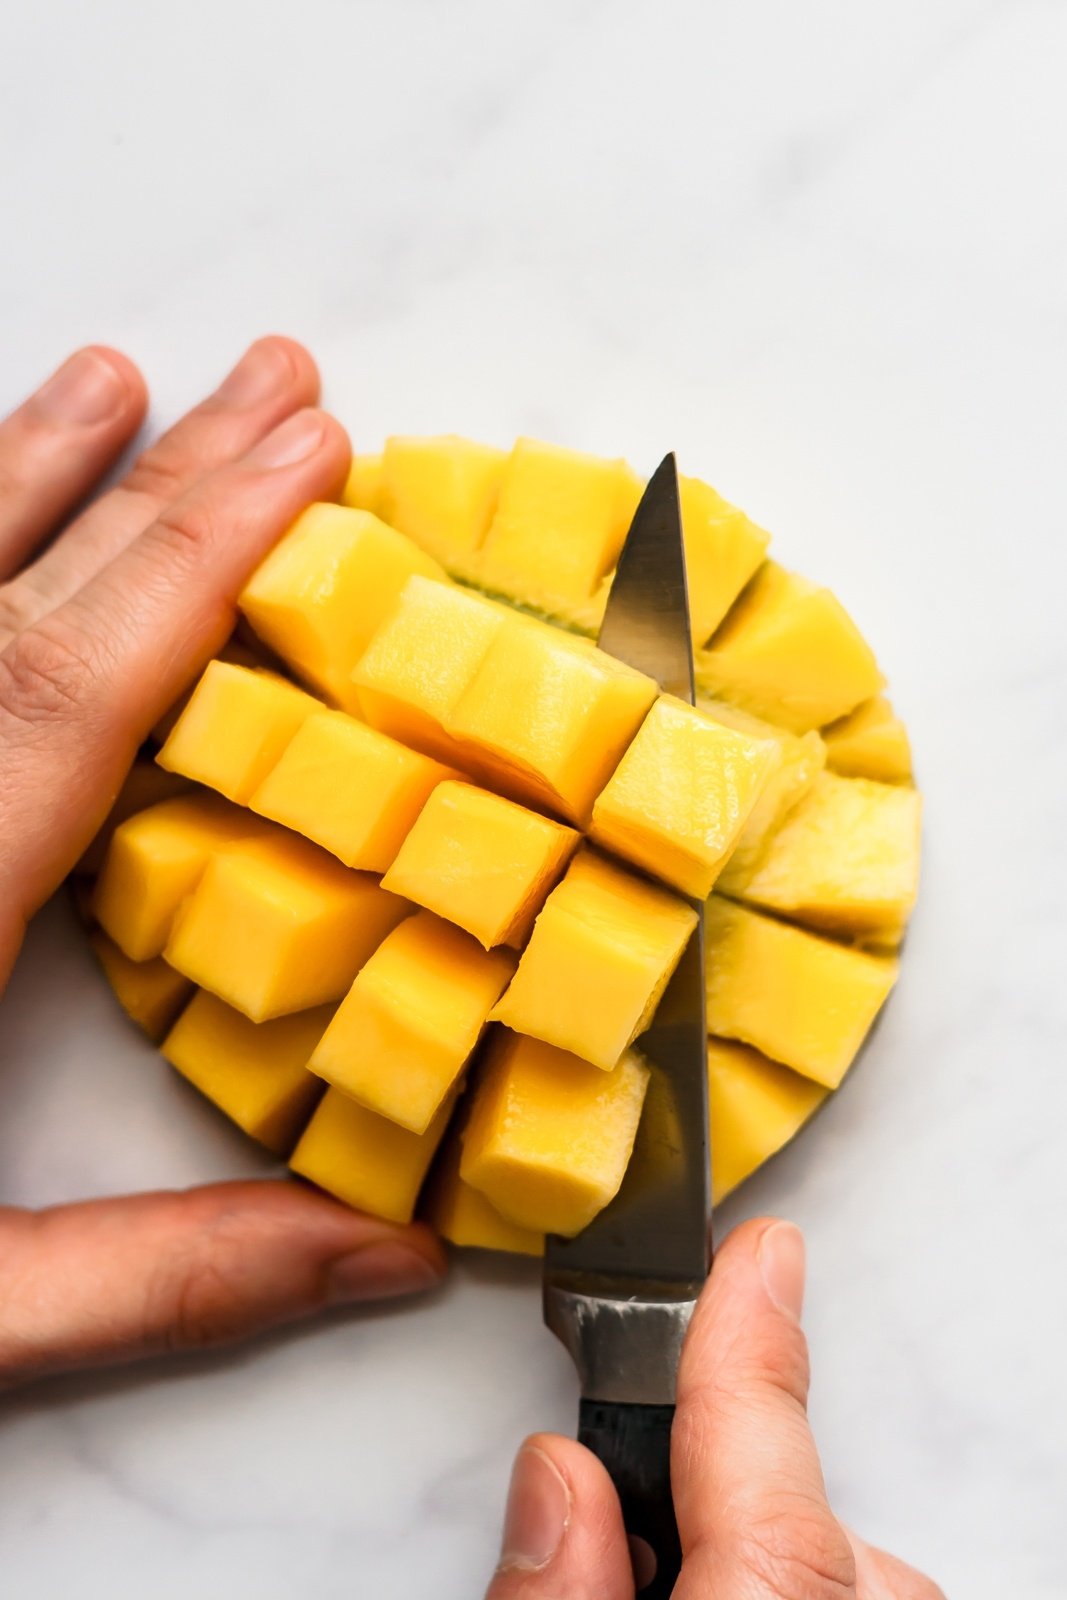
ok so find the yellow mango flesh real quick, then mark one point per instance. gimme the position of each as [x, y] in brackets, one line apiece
[546, 717]
[789, 652]
[150, 992]
[255, 1072]
[755, 1106]
[800, 999]
[155, 859]
[370, 1163]
[442, 492]
[234, 728]
[145, 784]
[321, 593]
[421, 659]
[463, 1215]
[239, 653]
[348, 788]
[871, 742]
[363, 486]
[481, 861]
[560, 523]
[799, 760]
[846, 859]
[549, 1137]
[405, 1030]
[276, 925]
[599, 958]
[722, 551]
[681, 795]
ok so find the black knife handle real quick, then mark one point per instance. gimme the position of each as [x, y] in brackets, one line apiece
[634, 1443]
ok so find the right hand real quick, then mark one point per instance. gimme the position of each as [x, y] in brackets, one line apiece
[748, 1488]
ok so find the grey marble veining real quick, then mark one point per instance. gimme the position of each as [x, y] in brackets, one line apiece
[820, 251]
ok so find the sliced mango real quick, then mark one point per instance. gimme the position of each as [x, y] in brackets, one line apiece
[156, 859]
[871, 742]
[549, 1137]
[234, 728]
[256, 1072]
[482, 862]
[800, 759]
[405, 1030]
[798, 998]
[722, 551]
[321, 593]
[150, 992]
[463, 1215]
[681, 795]
[756, 1106]
[363, 486]
[846, 859]
[423, 656]
[599, 958]
[240, 652]
[349, 788]
[560, 523]
[547, 716]
[789, 652]
[276, 925]
[442, 492]
[145, 784]
[365, 1160]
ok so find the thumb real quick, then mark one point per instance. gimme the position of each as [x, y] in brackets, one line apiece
[112, 1280]
[748, 1488]
[563, 1532]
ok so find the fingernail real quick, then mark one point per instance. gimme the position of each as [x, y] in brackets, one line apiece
[539, 1509]
[380, 1272]
[260, 373]
[781, 1263]
[293, 440]
[87, 389]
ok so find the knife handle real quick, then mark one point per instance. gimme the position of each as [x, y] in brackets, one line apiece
[634, 1443]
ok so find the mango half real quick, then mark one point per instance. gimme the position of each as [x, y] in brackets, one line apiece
[419, 859]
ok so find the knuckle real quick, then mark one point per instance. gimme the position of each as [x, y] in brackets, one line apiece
[159, 475]
[185, 532]
[196, 1301]
[46, 672]
[17, 608]
[798, 1551]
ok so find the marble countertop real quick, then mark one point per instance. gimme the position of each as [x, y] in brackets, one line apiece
[819, 250]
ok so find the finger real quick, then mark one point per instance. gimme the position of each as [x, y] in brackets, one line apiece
[273, 379]
[748, 1487]
[563, 1532]
[882, 1577]
[80, 689]
[114, 1280]
[60, 441]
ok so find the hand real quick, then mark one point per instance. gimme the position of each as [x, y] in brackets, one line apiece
[102, 625]
[748, 1489]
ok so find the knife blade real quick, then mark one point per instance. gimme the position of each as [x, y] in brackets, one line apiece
[620, 1295]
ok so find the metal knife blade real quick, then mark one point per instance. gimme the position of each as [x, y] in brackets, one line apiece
[620, 1295]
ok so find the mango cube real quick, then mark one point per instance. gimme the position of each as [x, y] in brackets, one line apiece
[276, 925]
[156, 859]
[482, 862]
[599, 958]
[871, 742]
[349, 788]
[756, 1106]
[405, 1030]
[549, 1137]
[798, 998]
[547, 716]
[145, 785]
[722, 551]
[560, 522]
[463, 1215]
[150, 992]
[365, 1160]
[239, 653]
[234, 728]
[422, 658]
[789, 652]
[846, 859]
[321, 593]
[255, 1072]
[442, 492]
[800, 758]
[363, 486]
[678, 800]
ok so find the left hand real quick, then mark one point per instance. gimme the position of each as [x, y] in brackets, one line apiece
[103, 623]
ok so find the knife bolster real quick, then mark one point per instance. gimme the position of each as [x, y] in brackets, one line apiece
[624, 1350]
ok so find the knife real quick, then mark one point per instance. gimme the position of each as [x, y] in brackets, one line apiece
[620, 1295]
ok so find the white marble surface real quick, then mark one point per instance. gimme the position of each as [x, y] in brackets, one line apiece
[822, 251]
